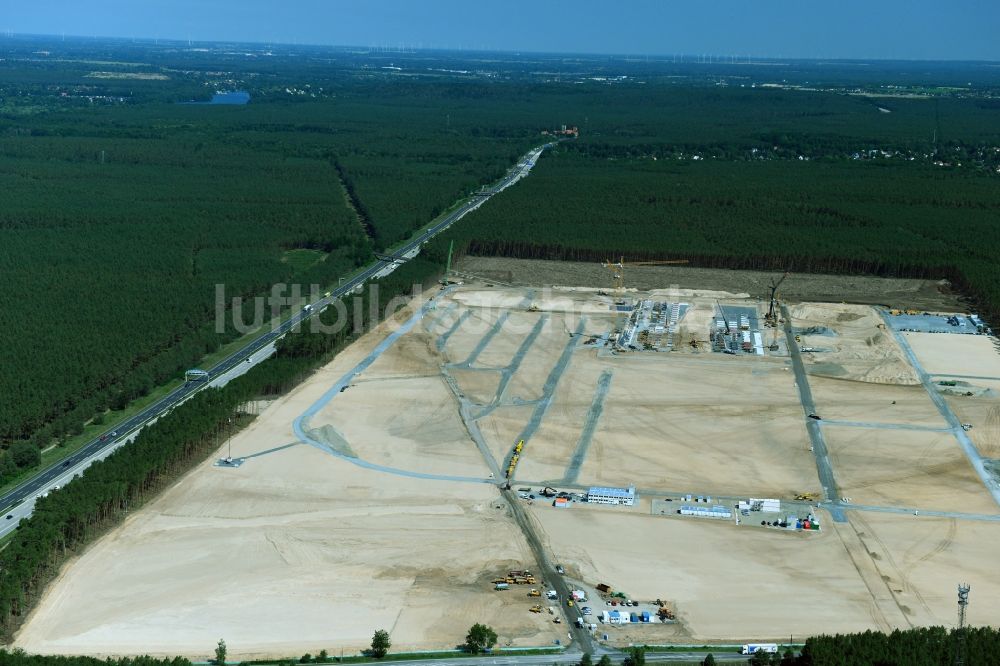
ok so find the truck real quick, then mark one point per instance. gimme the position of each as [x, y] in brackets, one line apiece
[501, 586]
[754, 648]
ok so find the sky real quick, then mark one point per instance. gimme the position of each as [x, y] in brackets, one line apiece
[860, 29]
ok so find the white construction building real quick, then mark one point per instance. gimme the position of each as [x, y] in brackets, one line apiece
[602, 495]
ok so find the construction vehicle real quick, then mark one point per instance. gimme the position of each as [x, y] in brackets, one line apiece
[895, 313]
[549, 492]
[557, 620]
[618, 270]
[807, 497]
[772, 317]
[774, 340]
[535, 609]
[533, 308]
[518, 447]
[534, 593]
[664, 613]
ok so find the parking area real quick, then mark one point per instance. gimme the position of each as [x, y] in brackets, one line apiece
[930, 322]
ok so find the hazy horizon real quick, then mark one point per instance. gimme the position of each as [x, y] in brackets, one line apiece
[917, 30]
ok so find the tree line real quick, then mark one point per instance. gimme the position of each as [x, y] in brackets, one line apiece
[904, 220]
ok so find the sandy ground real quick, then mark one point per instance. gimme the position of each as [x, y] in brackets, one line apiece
[983, 413]
[856, 347]
[941, 353]
[878, 572]
[298, 550]
[294, 551]
[923, 470]
[846, 400]
[726, 582]
[920, 561]
[717, 425]
[934, 295]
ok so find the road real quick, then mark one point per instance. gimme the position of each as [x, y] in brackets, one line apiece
[823, 467]
[20, 500]
[547, 572]
[567, 657]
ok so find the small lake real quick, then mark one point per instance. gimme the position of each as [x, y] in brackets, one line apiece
[237, 98]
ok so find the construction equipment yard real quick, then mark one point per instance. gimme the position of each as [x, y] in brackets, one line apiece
[840, 479]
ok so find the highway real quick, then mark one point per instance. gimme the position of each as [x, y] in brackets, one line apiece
[512, 658]
[19, 501]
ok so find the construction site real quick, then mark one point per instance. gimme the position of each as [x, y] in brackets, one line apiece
[532, 457]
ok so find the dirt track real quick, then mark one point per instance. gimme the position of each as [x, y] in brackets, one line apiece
[896, 292]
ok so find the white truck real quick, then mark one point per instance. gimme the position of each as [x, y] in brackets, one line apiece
[754, 648]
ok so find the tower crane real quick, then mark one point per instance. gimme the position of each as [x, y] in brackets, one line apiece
[771, 317]
[618, 270]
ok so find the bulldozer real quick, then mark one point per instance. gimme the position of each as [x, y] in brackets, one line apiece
[807, 497]
[534, 593]
[533, 308]
[535, 609]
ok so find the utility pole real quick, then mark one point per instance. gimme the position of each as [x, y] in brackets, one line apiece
[963, 601]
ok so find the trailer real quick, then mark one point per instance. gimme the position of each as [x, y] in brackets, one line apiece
[754, 648]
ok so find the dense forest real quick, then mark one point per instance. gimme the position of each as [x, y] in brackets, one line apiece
[838, 216]
[21, 659]
[119, 220]
[123, 208]
[928, 646]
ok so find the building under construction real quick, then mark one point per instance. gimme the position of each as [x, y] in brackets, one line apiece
[736, 330]
[651, 326]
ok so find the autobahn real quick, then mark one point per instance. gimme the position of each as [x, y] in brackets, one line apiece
[19, 501]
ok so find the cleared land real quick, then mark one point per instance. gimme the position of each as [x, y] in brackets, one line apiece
[933, 295]
[301, 549]
[906, 468]
[297, 550]
[956, 354]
